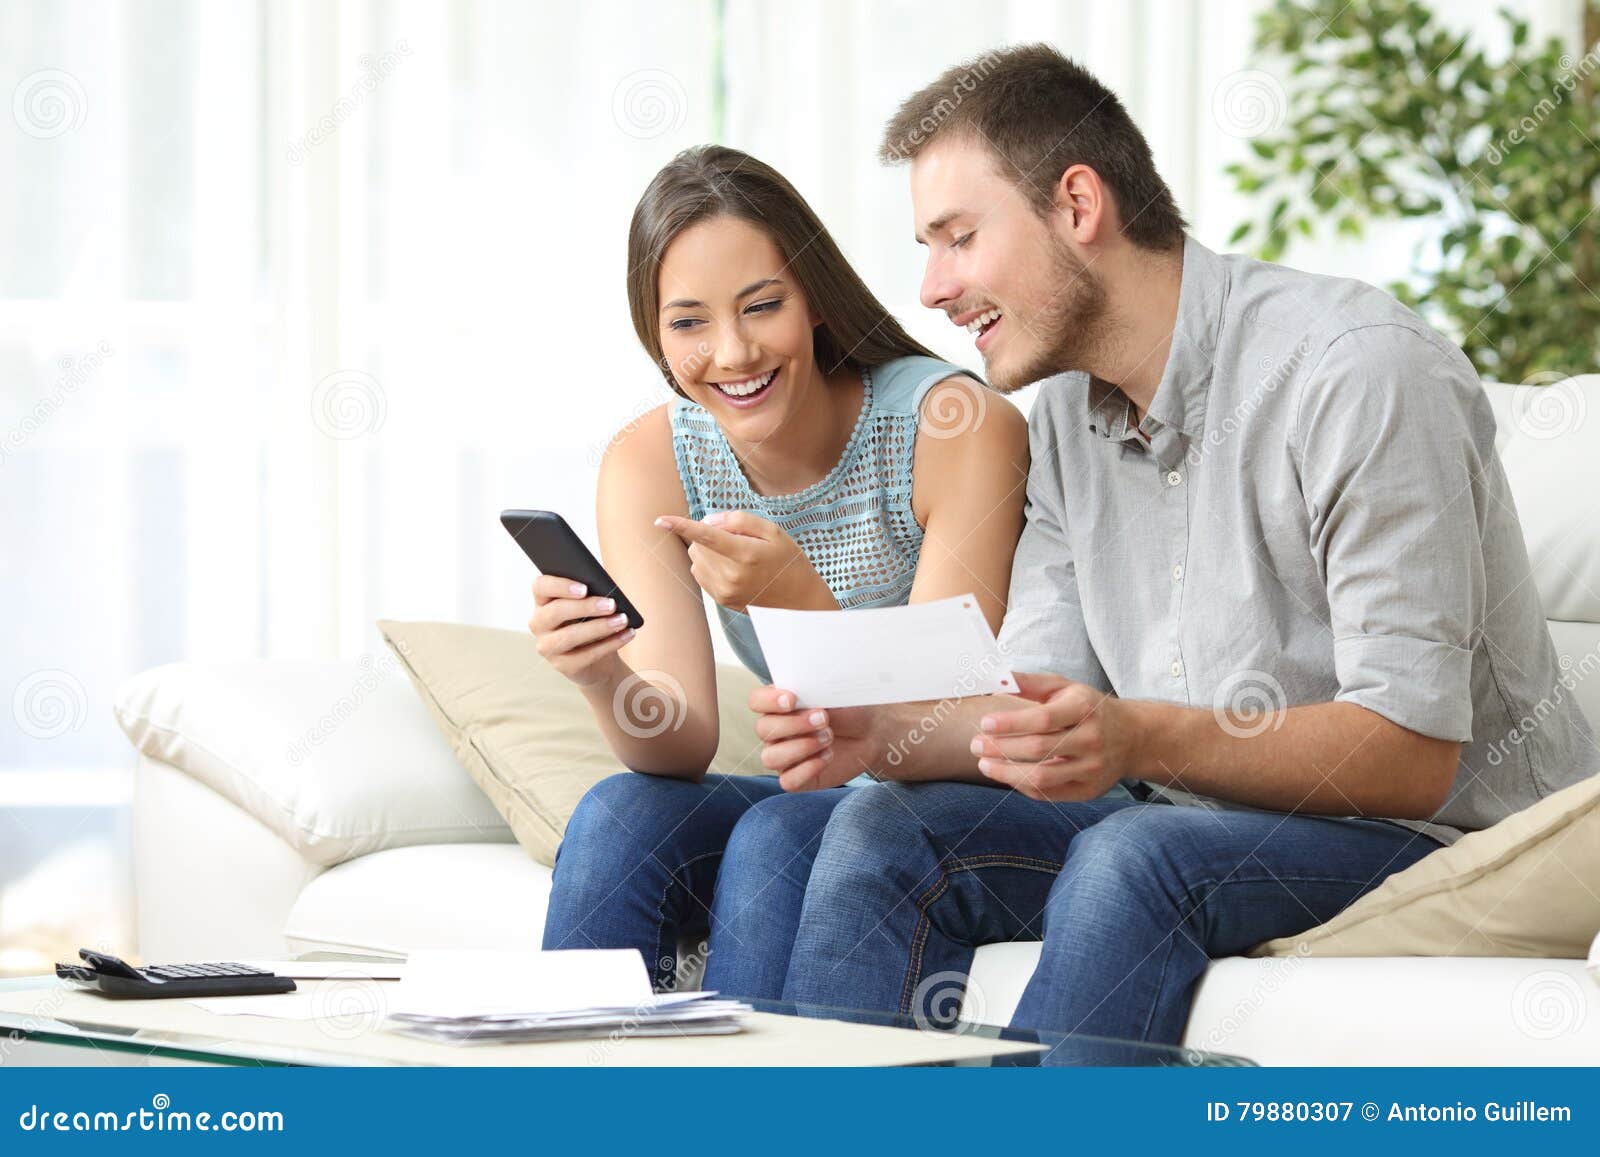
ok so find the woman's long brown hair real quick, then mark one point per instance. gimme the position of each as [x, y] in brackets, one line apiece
[714, 181]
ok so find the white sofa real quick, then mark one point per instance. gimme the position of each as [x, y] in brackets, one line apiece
[295, 830]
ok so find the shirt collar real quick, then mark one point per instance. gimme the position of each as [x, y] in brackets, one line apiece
[1180, 399]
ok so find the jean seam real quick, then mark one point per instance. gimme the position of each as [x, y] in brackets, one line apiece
[661, 909]
[1161, 980]
[947, 868]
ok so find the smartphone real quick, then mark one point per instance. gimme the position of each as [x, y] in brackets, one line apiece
[555, 548]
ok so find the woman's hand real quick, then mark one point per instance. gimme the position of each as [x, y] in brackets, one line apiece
[585, 652]
[739, 558]
[812, 749]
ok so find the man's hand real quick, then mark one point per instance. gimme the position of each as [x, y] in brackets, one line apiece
[1073, 743]
[813, 748]
[739, 558]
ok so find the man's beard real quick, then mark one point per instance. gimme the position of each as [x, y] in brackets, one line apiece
[1068, 326]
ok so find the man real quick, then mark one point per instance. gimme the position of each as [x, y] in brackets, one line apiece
[1272, 580]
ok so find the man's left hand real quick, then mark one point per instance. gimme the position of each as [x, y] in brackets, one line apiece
[1072, 742]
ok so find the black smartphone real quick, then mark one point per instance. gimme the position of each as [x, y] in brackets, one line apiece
[555, 548]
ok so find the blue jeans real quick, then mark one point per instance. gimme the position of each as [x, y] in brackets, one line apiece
[648, 860]
[1131, 899]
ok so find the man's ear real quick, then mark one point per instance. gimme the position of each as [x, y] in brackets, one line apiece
[1083, 207]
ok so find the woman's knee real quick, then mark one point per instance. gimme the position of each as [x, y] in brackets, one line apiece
[870, 835]
[780, 827]
[627, 809]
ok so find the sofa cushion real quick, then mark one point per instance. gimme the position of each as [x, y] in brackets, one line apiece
[1545, 435]
[1525, 887]
[1398, 1011]
[525, 733]
[441, 896]
[337, 758]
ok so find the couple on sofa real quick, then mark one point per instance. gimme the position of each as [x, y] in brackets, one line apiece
[1253, 560]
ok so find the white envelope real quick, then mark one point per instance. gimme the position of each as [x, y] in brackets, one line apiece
[938, 650]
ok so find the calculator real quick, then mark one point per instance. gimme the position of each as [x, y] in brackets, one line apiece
[102, 972]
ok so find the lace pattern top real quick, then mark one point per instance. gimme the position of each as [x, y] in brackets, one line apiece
[855, 525]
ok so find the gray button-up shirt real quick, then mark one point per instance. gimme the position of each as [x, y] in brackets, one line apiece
[1318, 514]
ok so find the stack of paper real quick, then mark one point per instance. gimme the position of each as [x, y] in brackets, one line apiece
[477, 996]
[674, 1014]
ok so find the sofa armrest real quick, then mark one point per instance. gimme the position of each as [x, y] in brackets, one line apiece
[337, 758]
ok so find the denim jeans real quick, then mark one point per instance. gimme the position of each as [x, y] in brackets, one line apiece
[648, 860]
[1130, 898]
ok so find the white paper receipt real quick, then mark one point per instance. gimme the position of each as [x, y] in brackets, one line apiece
[938, 650]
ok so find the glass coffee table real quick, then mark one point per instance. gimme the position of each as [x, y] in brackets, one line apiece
[44, 1021]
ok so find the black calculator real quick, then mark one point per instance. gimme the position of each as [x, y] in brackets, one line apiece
[105, 973]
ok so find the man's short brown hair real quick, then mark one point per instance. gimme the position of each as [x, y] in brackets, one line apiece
[1040, 113]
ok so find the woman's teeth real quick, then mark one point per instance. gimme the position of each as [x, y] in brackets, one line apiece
[747, 387]
[978, 324]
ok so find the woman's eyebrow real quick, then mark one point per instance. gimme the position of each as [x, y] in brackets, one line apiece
[753, 286]
[690, 303]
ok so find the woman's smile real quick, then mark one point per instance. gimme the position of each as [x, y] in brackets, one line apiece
[744, 393]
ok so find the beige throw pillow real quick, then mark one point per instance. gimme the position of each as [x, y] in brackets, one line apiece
[526, 735]
[1529, 886]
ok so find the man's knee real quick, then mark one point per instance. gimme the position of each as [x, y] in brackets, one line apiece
[1133, 851]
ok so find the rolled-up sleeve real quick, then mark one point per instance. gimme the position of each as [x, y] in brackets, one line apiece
[1392, 481]
[1044, 628]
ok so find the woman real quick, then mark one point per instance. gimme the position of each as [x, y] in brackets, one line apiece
[803, 465]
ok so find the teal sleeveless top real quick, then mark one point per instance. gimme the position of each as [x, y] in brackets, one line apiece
[855, 525]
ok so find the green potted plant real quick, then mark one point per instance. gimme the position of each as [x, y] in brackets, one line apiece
[1387, 114]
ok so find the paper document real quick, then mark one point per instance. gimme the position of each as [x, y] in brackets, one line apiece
[331, 969]
[312, 1000]
[466, 997]
[676, 1014]
[938, 650]
[465, 982]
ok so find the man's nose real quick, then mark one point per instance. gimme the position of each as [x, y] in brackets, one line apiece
[938, 287]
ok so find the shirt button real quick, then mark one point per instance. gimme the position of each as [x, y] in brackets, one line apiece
[1177, 669]
[1173, 478]
[1177, 573]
